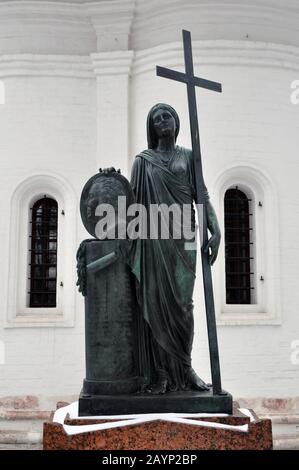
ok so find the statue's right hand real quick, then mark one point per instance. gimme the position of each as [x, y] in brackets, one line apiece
[106, 171]
[124, 247]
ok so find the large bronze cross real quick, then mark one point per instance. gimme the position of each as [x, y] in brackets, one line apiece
[191, 81]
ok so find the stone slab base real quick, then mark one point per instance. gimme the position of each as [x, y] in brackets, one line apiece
[171, 402]
[163, 435]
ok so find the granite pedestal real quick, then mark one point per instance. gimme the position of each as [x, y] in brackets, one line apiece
[163, 435]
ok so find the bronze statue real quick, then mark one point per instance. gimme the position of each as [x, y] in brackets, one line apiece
[154, 274]
[164, 269]
[138, 291]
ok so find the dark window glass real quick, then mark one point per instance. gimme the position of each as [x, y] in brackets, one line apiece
[238, 247]
[43, 253]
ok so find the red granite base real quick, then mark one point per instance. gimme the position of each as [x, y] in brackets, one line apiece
[163, 435]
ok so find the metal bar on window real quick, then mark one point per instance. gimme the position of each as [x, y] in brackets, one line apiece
[44, 222]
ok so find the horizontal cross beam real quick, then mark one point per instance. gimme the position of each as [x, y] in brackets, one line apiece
[182, 77]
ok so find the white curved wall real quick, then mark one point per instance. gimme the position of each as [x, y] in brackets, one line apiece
[159, 22]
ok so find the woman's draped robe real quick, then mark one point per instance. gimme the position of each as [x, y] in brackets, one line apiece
[164, 270]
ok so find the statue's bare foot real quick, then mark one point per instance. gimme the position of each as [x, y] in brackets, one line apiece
[159, 388]
[196, 382]
[143, 388]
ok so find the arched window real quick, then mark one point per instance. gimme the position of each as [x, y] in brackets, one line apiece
[246, 276]
[43, 214]
[43, 253]
[238, 247]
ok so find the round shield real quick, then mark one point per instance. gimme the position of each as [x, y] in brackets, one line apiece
[105, 195]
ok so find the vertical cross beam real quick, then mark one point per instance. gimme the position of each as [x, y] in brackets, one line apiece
[191, 81]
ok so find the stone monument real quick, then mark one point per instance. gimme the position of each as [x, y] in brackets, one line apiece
[148, 282]
[110, 301]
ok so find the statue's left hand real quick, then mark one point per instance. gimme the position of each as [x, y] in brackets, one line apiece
[213, 243]
[212, 247]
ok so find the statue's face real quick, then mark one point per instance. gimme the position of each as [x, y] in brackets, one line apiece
[92, 202]
[164, 123]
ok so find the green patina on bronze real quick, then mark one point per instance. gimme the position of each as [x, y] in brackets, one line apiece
[138, 292]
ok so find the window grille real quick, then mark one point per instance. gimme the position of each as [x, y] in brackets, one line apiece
[43, 253]
[238, 247]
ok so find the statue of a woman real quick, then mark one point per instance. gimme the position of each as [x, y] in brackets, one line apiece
[164, 269]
